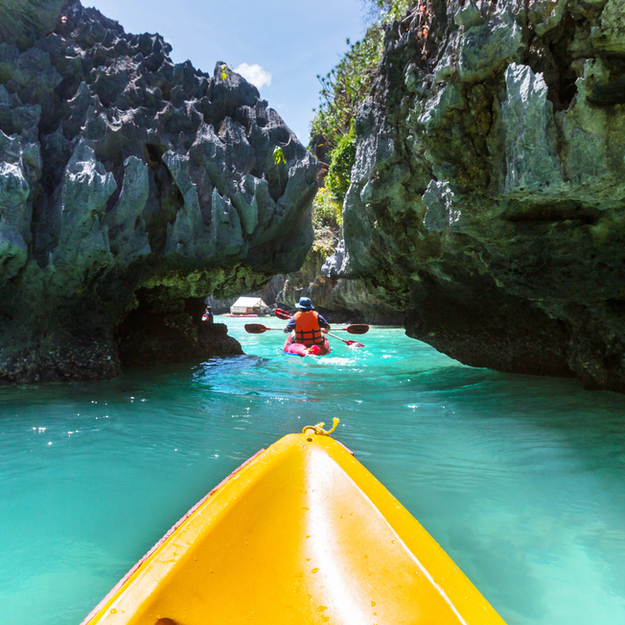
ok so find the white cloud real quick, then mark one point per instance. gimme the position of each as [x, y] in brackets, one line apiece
[254, 74]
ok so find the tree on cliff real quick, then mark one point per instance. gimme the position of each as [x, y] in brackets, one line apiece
[333, 135]
[344, 89]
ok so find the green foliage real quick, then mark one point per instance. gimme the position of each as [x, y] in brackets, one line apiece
[278, 155]
[326, 211]
[339, 173]
[394, 9]
[342, 92]
[345, 87]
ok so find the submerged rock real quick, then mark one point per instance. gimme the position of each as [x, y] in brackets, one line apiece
[488, 193]
[130, 184]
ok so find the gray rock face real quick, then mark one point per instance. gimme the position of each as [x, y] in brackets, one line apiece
[337, 265]
[488, 193]
[129, 183]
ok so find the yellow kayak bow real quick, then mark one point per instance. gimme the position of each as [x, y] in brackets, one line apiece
[301, 533]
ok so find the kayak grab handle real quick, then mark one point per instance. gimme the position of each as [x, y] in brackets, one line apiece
[318, 429]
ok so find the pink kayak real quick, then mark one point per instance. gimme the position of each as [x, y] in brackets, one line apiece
[291, 347]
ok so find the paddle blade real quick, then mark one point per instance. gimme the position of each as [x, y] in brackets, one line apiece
[354, 344]
[281, 314]
[358, 328]
[348, 343]
[355, 328]
[256, 328]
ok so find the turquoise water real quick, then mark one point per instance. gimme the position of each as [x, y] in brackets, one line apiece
[520, 479]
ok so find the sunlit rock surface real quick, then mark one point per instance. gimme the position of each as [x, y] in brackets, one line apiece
[488, 193]
[130, 189]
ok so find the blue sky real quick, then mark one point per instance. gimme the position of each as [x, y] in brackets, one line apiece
[290, 40]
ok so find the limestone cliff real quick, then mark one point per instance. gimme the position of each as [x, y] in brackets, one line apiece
[130, 188]
[488, 193]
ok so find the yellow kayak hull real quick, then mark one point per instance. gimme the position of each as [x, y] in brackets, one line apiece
[302, 533]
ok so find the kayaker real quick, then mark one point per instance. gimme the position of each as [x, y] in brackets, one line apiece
[308, 324]
[207, 317]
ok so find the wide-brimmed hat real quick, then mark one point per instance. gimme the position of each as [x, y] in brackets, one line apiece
[304, 304]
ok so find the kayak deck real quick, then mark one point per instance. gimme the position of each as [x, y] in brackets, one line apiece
[302, 533]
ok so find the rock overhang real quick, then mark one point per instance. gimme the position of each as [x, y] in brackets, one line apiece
[123, 172]
[488, 192]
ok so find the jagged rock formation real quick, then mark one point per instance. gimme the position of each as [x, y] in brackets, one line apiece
[130, 184]
[488, 194]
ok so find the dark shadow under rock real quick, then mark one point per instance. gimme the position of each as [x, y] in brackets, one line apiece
[156, 335]
[165, 339]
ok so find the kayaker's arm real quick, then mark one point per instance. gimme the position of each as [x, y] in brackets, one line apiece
[290, 326]
[323, 324]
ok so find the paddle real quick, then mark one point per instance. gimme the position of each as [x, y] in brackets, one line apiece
[350, 343]
[354, 328]
[258, 328]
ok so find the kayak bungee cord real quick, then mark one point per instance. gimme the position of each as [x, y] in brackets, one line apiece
[318, 429]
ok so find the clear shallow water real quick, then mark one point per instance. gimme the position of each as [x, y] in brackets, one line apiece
[520, 479]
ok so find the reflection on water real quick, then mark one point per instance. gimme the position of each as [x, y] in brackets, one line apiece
[520, 479]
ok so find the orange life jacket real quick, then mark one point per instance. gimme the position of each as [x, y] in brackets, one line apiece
[307, 328]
